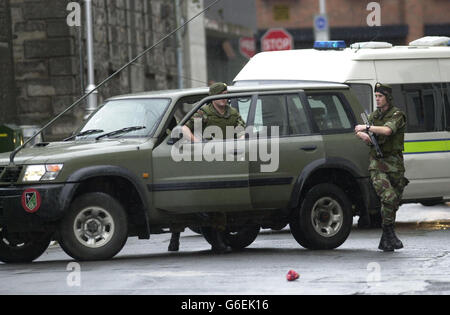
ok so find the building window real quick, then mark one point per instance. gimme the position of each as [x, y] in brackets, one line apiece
[281, 12]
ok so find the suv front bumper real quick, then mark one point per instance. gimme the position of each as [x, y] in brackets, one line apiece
[16, 218]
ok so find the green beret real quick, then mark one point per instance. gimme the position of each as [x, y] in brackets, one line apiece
[384, 89]
[217, 88]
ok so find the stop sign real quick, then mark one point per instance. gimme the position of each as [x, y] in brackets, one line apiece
[277, 39]
[247, 46]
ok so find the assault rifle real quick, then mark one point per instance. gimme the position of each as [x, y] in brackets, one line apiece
[372, 136]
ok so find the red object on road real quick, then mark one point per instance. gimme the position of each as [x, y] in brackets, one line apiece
[292, 275]
[277, 39]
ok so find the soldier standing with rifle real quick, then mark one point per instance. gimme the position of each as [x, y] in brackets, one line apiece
[385, 132]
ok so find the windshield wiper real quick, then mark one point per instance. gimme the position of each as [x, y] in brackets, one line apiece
[84, 133]
[120, 131]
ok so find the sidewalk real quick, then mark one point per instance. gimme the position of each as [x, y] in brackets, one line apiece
[418, 213]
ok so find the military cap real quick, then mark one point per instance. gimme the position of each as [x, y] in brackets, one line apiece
[384, 89]
[217, 88]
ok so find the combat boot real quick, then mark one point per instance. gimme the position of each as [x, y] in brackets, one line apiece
[397, 242]
[387, 239]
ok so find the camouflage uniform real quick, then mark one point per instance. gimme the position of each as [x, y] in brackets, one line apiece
[387, 173]
[211, 117]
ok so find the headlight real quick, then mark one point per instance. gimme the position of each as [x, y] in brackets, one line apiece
[35, 173]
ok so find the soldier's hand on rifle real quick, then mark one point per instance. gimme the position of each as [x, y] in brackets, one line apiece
[364, 136]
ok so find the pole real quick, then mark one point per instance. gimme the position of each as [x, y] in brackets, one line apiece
[323, 6]
[92, 99]
[180, 52]
[322, 33]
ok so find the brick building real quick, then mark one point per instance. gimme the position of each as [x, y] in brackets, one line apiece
[401, 20]
[40, 56]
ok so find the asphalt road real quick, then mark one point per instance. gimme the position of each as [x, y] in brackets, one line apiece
[357, 267]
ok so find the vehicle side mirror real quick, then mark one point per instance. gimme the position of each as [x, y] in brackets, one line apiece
[175, 135]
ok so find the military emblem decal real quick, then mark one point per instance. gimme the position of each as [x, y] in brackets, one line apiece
[31, 200]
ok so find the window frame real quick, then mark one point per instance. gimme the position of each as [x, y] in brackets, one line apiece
[445, 88]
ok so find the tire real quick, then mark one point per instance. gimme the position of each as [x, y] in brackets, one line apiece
[237, 240]
[23, 248]
[96, 228]
[432, 203]
[313, 226]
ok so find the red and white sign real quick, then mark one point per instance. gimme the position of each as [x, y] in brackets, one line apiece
[247, 46]
[277, 39]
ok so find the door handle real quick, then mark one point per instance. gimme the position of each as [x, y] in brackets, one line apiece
[309, 148]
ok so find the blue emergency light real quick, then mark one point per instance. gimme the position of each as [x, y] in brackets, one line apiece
[330, 45]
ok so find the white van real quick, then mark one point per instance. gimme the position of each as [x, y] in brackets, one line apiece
[420, 77]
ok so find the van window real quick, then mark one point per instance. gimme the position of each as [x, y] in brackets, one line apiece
[287, 112]
[364, 94]
[446, 95]
[423, 105]
[329, 112]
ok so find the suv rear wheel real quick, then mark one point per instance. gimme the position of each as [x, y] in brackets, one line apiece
[96, 227]
[324, 220]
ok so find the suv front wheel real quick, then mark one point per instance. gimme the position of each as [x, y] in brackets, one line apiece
[23, 247]
[96, 227]
[324, 219]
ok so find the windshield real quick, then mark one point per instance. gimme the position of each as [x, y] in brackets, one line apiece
[118, 114]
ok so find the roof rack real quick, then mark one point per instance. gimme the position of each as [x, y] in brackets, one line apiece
[371, 45]
[431, 41]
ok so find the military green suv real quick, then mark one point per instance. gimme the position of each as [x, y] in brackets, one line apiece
[129, 172]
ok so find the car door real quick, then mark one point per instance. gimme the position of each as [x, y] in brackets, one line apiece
[209, 176]
[286, 147]
[335, 120]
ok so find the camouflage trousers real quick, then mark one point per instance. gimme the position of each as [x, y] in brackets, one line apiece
[389, 188]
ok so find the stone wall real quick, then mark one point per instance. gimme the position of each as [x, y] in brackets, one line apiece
[7, 89]
[47, 55]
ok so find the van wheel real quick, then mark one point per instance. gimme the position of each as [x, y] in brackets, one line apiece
[432, 202]
[23, 247]
[324, 219]
[237, 239]
[96, 227]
